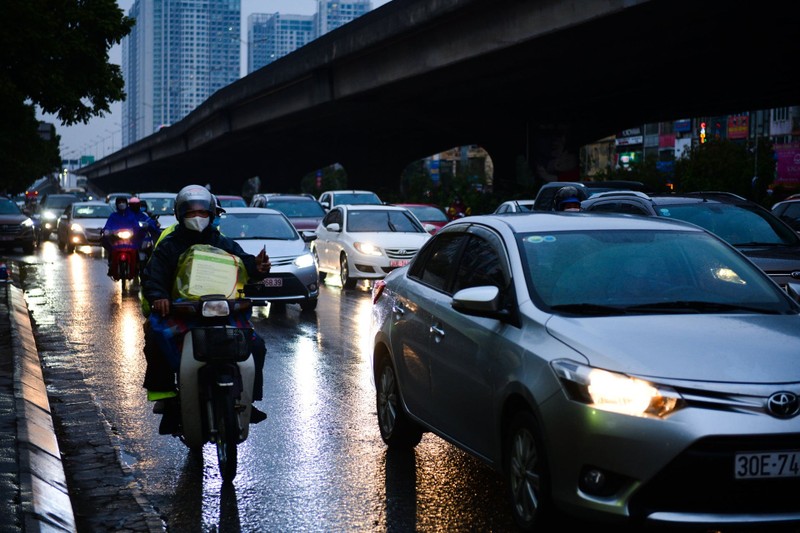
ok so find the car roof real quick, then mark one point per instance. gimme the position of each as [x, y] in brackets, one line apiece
[90, 202]
[538, 221]
[371, 207]
[246, 210]
[286, 197]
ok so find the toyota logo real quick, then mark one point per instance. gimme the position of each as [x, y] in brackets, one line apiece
[783, 404]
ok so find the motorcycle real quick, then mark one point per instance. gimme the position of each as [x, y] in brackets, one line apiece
[124, 255]
[215, 377]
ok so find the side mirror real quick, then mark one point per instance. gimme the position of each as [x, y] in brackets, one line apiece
[430, 228]
[308, 236]
[333, 226]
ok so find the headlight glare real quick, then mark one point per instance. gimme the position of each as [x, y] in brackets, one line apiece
[367, 248]
[216, 308]
[304, 261]
[612, 391]
[76, 227]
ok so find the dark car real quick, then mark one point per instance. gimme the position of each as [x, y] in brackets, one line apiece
[586, 189]
[51, 207]
[16, 228]
[768, 241]
[303, 212]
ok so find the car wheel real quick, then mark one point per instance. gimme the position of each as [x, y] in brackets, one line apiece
[70, 247]
[60, 245]
[308, 305]
[525, 469]
[344, 273]
[397, 429]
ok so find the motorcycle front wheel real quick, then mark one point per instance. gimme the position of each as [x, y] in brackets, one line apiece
[227, 437]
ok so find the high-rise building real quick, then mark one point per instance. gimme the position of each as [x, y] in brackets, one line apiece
[178, 54]
[272, 36]
[332, 13]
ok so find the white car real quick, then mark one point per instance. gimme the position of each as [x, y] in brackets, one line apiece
[293, 276]
[162, 205]
[330, 199]
[366, 241]
[515, 206]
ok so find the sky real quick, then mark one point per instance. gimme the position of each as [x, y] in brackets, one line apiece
[102, 135]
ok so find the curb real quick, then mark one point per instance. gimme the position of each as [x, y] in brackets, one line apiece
[44, 496]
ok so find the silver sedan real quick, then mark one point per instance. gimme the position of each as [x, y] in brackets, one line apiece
[637, 369]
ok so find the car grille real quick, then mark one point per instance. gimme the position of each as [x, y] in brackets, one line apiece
[701, 480]
[401, 253]
[10, 229]
[92, 234]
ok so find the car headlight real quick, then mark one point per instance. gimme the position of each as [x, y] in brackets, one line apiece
[304, 261]
[367, 248]
[612, 391]
[27, 223]
[49, 215]
[76, 227]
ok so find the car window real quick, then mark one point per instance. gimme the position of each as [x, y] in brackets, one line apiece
[791, 214]
[735, 224]
[624, 268]
[91, 211]
[356, 198]
[396, 221]
[297, 208]
[58, 203]
[480, 265]
[160, 206]
[7, 207]
[435, 266]
[618, 207]
[334, 216]
[257, 226]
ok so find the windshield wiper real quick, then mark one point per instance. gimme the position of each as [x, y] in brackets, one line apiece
[699, 307]
[590, 309]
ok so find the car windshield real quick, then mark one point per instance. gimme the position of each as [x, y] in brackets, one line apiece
[257, 226]
[428, 213]
[8, 207]
[356, 198]
[629, 271]
[160, 206]
[232, 202]
[59, 202]
[382, 220]
[297, 208]
[736, 224]
[91, 211]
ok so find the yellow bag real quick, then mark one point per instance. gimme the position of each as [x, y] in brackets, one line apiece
[204, 269]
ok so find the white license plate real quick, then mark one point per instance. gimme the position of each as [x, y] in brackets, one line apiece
[272, 282]
[398, 262]
[767, 465]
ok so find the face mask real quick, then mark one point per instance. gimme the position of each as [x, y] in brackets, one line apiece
[196, 223]
[121, 207]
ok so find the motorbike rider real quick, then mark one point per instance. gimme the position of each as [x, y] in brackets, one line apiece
[195, 209]
[458, 209]
[567, 199]
[122, 218]
[151, 227]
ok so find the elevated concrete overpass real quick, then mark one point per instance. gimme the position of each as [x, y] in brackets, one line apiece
[528, 80]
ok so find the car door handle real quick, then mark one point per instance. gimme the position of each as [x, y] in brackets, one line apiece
[436, 330]
[398, 309]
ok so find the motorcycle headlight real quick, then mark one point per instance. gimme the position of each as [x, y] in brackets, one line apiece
[125, 234]
[304, 261]
[367, 248]
[213, 308]
[612, 391]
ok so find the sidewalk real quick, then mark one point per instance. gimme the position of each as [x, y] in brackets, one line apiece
[33, 495]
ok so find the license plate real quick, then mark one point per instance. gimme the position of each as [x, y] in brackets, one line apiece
[272, 282]
[398, 262]
[767, 465]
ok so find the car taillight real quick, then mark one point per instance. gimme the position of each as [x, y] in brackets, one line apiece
[377, 290]
[123, 257]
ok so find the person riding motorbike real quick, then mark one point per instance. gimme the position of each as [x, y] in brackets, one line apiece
[458, 209]
[122, 218]
[567, 199]
[150, 226]
[195, 209]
